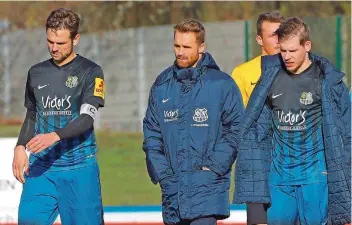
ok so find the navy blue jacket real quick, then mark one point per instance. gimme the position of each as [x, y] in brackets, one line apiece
[192, 120]
[254, 153]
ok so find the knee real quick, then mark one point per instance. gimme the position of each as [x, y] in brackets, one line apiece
[26, 216]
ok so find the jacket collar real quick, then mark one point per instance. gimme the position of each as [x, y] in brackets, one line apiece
[193, 74]
[330, 72]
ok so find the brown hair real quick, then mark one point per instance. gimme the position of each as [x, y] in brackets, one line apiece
[63, 19]
[273, 17]
[292, 27]
[191, 25]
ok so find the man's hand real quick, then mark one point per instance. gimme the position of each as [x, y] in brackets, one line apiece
[42, 141]
[205, 168]
[20, 163]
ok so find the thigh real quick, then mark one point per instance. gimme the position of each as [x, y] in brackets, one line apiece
[80, 199]
[313, 203]
[38, 204]
[256, 213]
[283, 209]
[204, 221]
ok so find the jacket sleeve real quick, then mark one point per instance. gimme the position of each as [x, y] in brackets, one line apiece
[345, 109]
[222, 157]
[157, 164]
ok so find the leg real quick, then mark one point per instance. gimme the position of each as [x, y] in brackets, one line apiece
[79, 198]
[256, 213]
[283, 209]
[38, 204]
[313, 203]
[204, 221]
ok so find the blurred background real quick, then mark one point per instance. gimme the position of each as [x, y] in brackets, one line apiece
[133, 42]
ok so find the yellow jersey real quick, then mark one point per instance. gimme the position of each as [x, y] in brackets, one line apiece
[246, 76]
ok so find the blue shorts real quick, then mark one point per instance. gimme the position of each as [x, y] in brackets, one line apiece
[75, 194]
[306, 203]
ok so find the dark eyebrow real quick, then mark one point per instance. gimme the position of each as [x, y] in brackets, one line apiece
[59, 43]
[185, 46]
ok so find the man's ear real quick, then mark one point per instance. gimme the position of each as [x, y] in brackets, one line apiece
[201, 48]
[259, 40]
[76, 40]
[308, 46]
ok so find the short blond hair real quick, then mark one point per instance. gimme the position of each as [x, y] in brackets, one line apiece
[191, 25]
[292, 27]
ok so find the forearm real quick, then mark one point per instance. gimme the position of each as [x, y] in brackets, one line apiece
[222, 157]
[157, 163]
[158, 166]
[224, 153]
[27, 130]
[76, 127]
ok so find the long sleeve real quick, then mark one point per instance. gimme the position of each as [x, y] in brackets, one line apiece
[345, 107]
[157, 163]
[27, 131]
[224, 154]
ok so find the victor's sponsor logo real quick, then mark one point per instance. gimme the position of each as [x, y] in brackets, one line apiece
[170, 115]
[292, 121]
[56, 105]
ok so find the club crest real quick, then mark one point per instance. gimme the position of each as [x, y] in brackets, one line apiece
[72, 81]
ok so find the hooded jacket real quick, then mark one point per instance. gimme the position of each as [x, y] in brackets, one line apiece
[192, 120]
[254, 154]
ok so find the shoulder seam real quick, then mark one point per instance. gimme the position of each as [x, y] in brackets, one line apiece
[163, 77]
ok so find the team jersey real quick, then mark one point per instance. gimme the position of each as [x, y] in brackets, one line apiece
[56, 93]
[246, 76]
[298, 154]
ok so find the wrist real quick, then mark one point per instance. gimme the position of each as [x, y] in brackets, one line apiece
[56, 136]
[20, 148]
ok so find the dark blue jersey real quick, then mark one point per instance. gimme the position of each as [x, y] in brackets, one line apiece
[298, 154]
[56, 93]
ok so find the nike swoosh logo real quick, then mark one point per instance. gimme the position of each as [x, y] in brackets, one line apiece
[165, 100]
[253, 83]
[275, 96]
[40, 87]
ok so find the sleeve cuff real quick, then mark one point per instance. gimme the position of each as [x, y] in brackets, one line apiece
[166, 173]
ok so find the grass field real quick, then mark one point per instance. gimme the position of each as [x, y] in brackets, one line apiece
[124, 178]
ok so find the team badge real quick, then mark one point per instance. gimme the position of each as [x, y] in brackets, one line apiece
[99, 88]
[306, 98]
[72, 81]
[200, 115]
